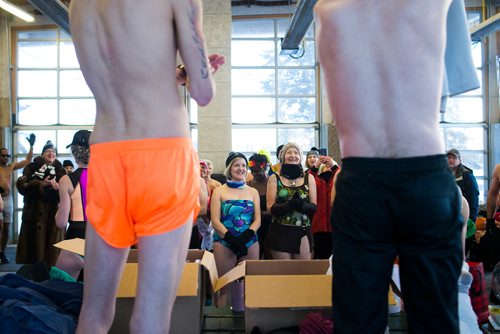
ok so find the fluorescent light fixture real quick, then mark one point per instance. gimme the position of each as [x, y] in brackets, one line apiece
[16, 11]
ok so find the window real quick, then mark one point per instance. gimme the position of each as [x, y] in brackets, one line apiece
[52, 98]
[274, 96]
[464, 123]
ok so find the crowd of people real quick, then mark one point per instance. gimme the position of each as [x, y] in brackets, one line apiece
[389, 198]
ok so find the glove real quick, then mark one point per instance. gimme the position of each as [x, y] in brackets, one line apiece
[247, 235]
[236, 244]
[31, 139]
[309, 209]
[490, 225]
[296, 203]
[281, 209]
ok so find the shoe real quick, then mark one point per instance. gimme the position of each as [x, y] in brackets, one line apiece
[3, 258]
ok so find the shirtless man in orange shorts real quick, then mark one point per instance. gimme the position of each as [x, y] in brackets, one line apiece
[127, 52]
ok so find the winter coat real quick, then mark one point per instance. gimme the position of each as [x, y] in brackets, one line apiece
[324, 183]
[38, 227]
[470, 190]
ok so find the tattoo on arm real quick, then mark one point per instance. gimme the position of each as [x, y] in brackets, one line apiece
[198, 40]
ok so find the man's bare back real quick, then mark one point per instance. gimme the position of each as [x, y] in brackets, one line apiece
[391, 119]
[133, 78]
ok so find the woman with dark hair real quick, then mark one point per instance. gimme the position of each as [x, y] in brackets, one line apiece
[259, 167]
[323, 168]
[235, 213]
[72, 195]
[291, 199]
[40, 188]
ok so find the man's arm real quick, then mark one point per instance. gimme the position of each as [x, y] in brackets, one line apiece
[193, 51]
[493, 192]
[216, 61]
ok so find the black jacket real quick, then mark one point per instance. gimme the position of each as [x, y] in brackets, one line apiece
[470, 190]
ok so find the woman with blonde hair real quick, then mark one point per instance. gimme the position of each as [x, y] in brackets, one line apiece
[235, 213]
[291, 199]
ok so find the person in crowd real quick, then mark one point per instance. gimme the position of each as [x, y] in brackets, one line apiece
[277, 166]
[291, 199]
[200, 228]
[71, 216]
[68, 166]
[323, 168]
[395, 195]
[492, 199]
[141, 125]
[6, 171]
[236, 218]
[212, 184]
[259, 166]
[466, 180]
[40, 189]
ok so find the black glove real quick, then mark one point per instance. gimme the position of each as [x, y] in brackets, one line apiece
[247, 235]
[236, 244]
[490, 225]
[281, 209]
[31, 139]
[309, 209]
[296, 203]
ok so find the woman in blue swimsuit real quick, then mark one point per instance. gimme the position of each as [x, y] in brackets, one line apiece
[235, 214]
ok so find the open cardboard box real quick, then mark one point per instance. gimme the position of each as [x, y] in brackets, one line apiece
[280, 293]
[187, 315]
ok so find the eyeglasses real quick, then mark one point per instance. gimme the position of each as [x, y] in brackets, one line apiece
[5, 155]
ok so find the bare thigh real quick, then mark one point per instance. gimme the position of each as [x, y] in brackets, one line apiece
[161, 262]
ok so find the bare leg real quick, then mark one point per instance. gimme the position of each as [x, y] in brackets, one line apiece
[161, 262]
[4, 235]
[305, 250]
[70, 262]
[103, 270]
[277, 255]
[225, 260]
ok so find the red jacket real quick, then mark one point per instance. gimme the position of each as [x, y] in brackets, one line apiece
[321, 219]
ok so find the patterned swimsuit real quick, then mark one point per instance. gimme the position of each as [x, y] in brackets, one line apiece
[236, 216]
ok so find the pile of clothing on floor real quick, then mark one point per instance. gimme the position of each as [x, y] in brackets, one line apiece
[38, 300]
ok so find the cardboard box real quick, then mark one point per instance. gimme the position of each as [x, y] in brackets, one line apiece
[280, 293]
[199, 273]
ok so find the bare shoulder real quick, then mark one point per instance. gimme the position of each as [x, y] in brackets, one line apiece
[272, 179]
[253, 191]
[496, 171]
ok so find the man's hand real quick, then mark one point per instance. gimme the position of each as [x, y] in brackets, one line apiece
[216, 61]
[31, 139]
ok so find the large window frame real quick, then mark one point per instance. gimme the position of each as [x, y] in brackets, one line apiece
[54, 104]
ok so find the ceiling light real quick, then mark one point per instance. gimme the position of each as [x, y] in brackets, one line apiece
[16, 11]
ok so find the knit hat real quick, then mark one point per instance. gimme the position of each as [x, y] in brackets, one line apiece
[49, 146]
[229, 162]
[234, 155]
[81, 138]
[67, 163]
[288, 146]
[313, 151]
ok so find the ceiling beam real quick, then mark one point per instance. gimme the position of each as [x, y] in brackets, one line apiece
[54, 10]
[301, 21]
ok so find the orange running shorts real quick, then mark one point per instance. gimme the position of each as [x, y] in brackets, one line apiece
[141, 187]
